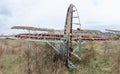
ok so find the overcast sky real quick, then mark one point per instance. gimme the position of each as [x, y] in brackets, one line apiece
[94, 14]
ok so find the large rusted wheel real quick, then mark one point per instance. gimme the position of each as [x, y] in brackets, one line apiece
[72, 18]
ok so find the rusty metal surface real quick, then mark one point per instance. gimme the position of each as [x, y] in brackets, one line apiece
[58, 37]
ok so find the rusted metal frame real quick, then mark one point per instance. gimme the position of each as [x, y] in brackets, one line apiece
[53, 47]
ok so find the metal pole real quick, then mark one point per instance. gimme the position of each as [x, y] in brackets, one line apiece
[79, 47]
[67, 49]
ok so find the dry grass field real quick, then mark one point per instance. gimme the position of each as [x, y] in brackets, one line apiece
[23, 57]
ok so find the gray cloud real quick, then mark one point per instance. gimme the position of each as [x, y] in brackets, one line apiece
[4, 8]
[5, 11]
[51, 13]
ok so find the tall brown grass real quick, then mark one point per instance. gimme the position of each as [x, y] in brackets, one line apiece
[24, 57]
